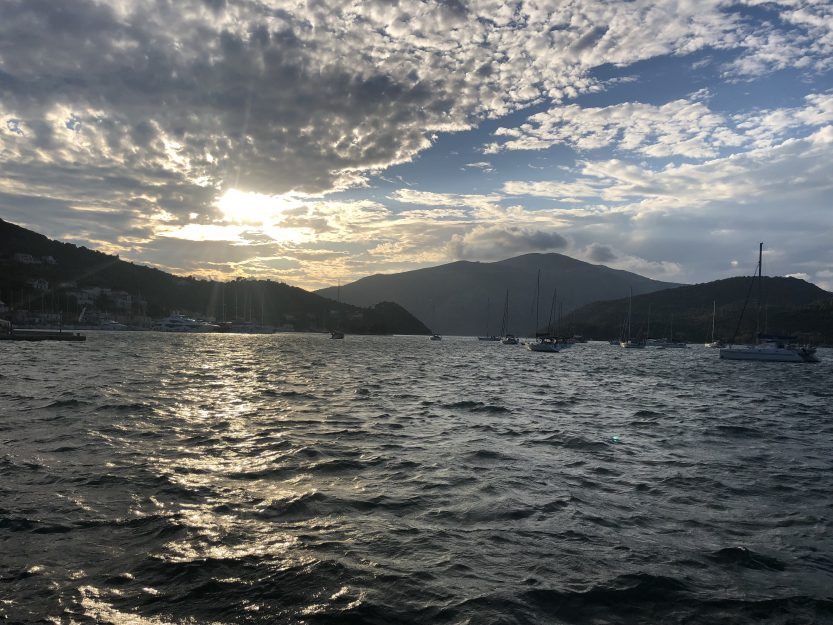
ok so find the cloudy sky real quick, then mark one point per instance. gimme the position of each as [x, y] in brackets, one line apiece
[319, 141]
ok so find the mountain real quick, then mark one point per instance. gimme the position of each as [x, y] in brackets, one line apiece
[791, 307]
[40, 275]
[466, 298]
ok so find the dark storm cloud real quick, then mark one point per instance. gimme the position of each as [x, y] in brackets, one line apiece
[601, 253]
[489, 243]
[261, 109]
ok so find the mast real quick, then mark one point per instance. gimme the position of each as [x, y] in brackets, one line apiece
[504, 323]
[552, 307]
[749, 292]
[760, 291]
[714, 314]
[537, 294]
[630, 297]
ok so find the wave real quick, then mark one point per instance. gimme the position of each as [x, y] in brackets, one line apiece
[476, 406]
[746, 558]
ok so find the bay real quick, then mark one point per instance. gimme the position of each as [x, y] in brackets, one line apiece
[156, 478]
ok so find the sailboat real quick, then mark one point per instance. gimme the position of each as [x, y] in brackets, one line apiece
[713, 342]
[670, 343]
[508, 337]
[487, 336]
[547, 342]
[629, 342]
[338, 334]
[435, 336]
[766, 348]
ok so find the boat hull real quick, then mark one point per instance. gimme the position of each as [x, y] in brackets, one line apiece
[35, 335]
[543, 347]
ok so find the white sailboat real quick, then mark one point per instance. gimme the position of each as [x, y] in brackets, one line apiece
[507, 337]
[767, 348]
[487, 336]
[714, 343]
[547, 342]
[435, 336]
[338, 334]
[629, 342]
[670, 343]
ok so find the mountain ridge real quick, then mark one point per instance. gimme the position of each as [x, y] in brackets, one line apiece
[66, 270]
[467, 297]
[791, 306]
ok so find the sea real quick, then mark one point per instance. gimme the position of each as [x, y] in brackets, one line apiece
[152, 479]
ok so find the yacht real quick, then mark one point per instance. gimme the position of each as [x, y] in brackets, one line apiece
[714, 343]
[771, 349]
[180, 323]
[767, 348]
[629, 342]
[545, 344]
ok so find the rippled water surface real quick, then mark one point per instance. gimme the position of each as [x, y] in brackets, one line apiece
[150, 478]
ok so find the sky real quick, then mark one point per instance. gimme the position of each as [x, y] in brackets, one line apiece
[316, 142]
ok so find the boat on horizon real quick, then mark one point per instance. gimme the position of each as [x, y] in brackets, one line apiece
[547, 341]
[714, 343]
[630, 342]
[767, 348]
[177, 322]
[507, 338]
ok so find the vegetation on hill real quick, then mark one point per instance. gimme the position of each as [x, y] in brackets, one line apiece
[156, 293]
[789, 306]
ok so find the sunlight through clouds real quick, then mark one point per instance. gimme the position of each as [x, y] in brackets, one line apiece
[323, 141]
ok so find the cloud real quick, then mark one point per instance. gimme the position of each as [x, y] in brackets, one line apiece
[679, 128]
[309, 98]
[601, 253]
[140, 125]
[496, 242]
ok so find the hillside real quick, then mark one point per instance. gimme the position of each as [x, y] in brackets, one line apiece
[69, 270]
[791, 306]
[467, 298]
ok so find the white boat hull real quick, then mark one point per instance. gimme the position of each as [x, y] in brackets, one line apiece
[631, 345]
[543, 347]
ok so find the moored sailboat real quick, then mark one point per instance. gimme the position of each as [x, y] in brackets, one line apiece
[507, 338]
[547, 342]
[714, 343]
[630, 342]
[767, 348]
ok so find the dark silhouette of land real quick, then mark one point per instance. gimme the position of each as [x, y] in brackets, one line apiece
[467, 298]
[42, 279]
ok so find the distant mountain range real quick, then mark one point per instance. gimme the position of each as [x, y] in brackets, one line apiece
[41, 275]
[789, 307]
[467, 298]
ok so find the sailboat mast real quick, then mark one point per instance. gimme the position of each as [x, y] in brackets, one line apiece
[537, 294]
[714, 314]
[552, 308]
[760, 291]
[506, 311]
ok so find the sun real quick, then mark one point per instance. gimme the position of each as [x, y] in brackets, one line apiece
[255, 209]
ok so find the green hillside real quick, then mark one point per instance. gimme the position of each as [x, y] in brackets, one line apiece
[789, 306]
[156, 293]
